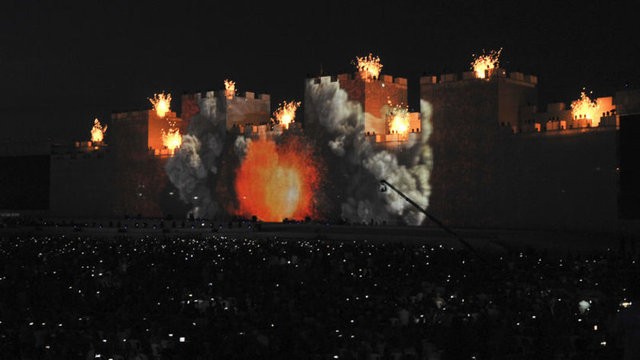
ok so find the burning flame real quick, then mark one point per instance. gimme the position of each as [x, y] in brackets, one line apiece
[399, 120]
[97, 132]
[484, 62]
[275, 182]
[172, 139]
[369, 67]
[161, 103]
[286, 113]
[229, 88]
[587, 108]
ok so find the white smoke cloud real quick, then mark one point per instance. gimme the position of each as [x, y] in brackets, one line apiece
[341, 123]
[193, 168]
[241, 145]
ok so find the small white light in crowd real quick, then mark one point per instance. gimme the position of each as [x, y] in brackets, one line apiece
[625, 304]
[583, 306]
[31, 324]
[170, 335]
[603, 343]
[98, 355]
[47, 347]
[182, 339]
[595, 327]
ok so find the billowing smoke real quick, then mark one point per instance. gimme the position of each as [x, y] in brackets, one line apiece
[359, 165]
[354, 164]
[241, 145]
[194, 167]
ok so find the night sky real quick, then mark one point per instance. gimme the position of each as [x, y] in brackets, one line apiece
[61, 66]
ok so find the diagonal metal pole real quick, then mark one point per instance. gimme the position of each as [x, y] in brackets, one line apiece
[432, 218]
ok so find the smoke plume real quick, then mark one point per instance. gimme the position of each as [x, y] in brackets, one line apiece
[194, 167]
[358, 165]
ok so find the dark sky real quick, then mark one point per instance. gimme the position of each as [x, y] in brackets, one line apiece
[61, 66]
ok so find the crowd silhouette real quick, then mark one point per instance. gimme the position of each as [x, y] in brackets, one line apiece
[217, 296]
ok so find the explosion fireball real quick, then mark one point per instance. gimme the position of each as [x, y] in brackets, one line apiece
[484, 62]
[586, 107]
[398, 120]
[286, 113]
[161, 103]
[369, 67]
[275, 182]
[229, 89]
[97, 132]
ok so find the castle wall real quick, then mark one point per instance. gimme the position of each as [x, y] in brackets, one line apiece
[128, 134]
[374, 95]
[239, 111]
[159, 124]
[139, 183]
[467, 161]
[484, 175]
[565, 180]
[512, 95]
[248, 110]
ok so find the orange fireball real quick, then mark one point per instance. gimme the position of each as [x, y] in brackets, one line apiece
[275, 182]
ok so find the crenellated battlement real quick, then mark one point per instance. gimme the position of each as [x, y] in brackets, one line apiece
[559, 116]
[140, 115]
[497, 73]
[348, 77]
[220, 94]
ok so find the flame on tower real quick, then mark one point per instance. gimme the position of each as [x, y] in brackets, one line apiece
[587, 108]
[161, 103]
[172, 139]
[369, 67]
[484, 62]
[399, 120]
[286, 113]
[229, 88]
[97, 132]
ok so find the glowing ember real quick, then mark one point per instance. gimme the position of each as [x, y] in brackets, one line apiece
[399, 120]
[97, 132]
[172, 139]
[286, 113]
[484, 62]
[275, 182]
[229, 88]
[369, 67]
[587, 108]
[161, 103]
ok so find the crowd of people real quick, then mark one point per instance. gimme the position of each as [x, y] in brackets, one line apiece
[217, 296]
